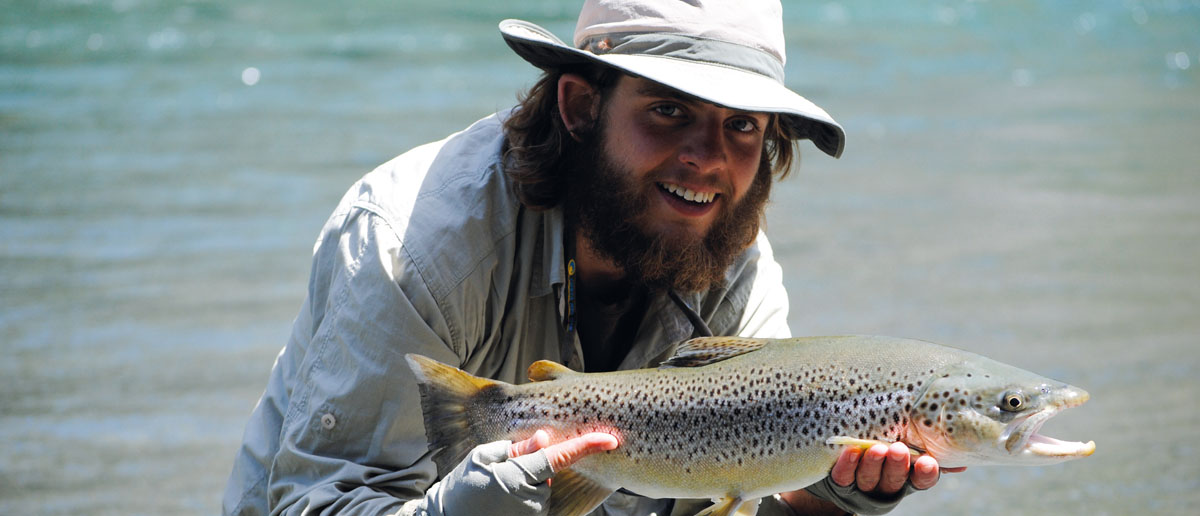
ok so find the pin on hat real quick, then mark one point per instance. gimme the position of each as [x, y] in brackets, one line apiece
[727, 52]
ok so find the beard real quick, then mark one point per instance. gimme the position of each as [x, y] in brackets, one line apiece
[607, 205]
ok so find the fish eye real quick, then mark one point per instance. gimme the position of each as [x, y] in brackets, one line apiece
[1013, 402]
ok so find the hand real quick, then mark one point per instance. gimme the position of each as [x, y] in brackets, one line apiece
[884, 469]
[509, 478]
[566, 453]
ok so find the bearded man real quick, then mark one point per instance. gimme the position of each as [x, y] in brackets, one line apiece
[611, 215]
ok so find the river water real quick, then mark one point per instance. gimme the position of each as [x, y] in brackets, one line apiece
[1021, 180]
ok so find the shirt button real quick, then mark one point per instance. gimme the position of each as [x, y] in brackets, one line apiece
[328, 421]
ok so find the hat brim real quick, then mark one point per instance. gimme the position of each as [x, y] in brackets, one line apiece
[722, 85]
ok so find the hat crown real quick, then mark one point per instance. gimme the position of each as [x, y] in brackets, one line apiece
[757, 24]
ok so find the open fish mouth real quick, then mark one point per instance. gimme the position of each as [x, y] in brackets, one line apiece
[1022, 435]
[1050, 447]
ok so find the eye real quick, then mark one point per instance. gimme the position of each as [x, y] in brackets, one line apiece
[668, 110]
[743, 125]
[1013, 402]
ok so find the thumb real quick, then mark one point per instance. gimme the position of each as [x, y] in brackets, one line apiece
[566, 453]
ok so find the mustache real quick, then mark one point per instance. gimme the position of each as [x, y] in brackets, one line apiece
[608, 205]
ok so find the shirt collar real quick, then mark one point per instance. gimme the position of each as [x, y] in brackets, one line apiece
[550, 269]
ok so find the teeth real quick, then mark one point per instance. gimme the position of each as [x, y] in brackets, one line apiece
[689, 194]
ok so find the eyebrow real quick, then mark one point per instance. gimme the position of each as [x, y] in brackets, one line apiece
[653, 89]
[650, 88]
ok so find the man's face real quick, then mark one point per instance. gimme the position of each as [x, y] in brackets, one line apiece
[670, 188]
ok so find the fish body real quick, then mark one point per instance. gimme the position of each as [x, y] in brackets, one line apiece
[736, 419]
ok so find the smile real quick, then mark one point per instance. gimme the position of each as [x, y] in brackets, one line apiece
[688, 194]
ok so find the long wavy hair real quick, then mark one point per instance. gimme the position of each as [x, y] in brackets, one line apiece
[537, 143]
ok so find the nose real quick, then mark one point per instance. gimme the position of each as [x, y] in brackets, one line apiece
[704, 149]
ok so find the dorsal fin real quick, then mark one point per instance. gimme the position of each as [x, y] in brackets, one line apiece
[706, 350]
[543, 370]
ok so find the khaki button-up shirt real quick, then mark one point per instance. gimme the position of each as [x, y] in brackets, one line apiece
[431, 253]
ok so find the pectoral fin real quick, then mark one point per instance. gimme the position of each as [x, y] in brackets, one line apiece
[866, 443]
[572, 494]
[732, 507]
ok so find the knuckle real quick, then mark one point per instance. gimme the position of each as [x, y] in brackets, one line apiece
[867, 482]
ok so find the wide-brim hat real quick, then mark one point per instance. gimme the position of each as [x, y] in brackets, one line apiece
[729, 53]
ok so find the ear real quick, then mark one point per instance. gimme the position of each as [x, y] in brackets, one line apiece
[578, 104]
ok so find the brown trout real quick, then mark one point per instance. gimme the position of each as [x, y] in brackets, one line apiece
[735, 419]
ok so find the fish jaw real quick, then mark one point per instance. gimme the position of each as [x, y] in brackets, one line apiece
[964, 417]
[1023, 442]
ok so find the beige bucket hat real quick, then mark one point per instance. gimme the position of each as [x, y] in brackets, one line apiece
[728, 52]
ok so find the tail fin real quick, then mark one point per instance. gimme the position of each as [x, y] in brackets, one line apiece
[446, 396]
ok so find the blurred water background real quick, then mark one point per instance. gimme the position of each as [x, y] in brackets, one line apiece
[1021, 179]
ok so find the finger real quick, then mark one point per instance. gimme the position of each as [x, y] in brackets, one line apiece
[843, 469]
[540, 440]
[564, 454]
[895, 469]
[871, 467]
[925, 472]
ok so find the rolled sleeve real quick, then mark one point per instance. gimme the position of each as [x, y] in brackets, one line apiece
[339, 427]
[351, 439]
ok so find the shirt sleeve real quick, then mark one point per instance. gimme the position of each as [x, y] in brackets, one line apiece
[766, 309]
[352, 440]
